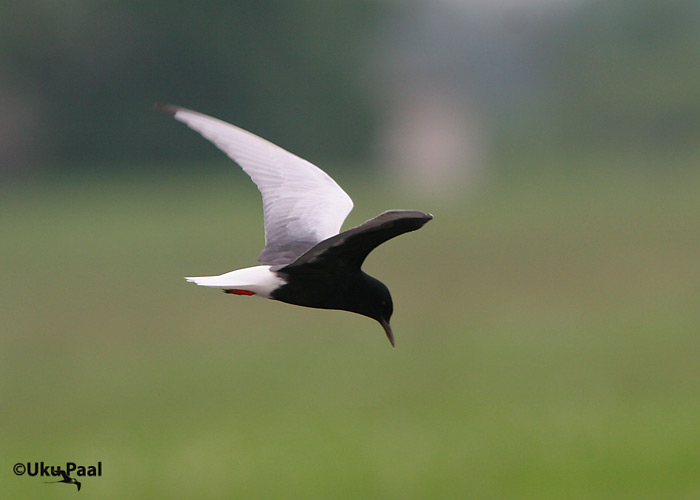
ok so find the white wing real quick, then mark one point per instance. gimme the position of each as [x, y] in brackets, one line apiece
[302, 205]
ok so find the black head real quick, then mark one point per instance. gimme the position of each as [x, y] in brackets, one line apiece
[377, 304]
[355, 292]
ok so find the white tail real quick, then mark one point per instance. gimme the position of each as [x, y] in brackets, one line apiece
[259, 280]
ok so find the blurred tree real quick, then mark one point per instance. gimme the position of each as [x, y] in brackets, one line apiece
[626, 74]
[79, 77]
[90, 72]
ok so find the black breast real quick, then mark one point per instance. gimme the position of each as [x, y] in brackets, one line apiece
[312, 287]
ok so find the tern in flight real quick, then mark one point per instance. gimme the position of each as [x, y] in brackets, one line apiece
[306, 261]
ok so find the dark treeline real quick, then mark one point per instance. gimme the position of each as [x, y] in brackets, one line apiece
[79, 78]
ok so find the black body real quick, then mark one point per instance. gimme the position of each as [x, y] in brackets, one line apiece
[356, 292]
[329, 274]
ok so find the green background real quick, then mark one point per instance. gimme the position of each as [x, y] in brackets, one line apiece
[547, 320]
[546, 345]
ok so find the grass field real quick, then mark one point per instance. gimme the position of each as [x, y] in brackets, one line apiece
[547, 329]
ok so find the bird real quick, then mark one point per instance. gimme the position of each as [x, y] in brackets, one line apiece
[306, 260]
[66, 479]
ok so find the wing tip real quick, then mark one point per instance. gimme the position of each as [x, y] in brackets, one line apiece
[166, 108]
[424, 216]
[403, 213]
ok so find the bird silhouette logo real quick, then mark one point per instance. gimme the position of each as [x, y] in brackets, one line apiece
[66, 479]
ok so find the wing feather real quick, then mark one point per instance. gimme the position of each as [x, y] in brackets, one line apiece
[351, 247]
[302, 205]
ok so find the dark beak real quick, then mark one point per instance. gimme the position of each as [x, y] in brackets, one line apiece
[387, 329]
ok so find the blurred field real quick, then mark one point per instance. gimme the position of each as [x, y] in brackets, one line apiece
[547, 344]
